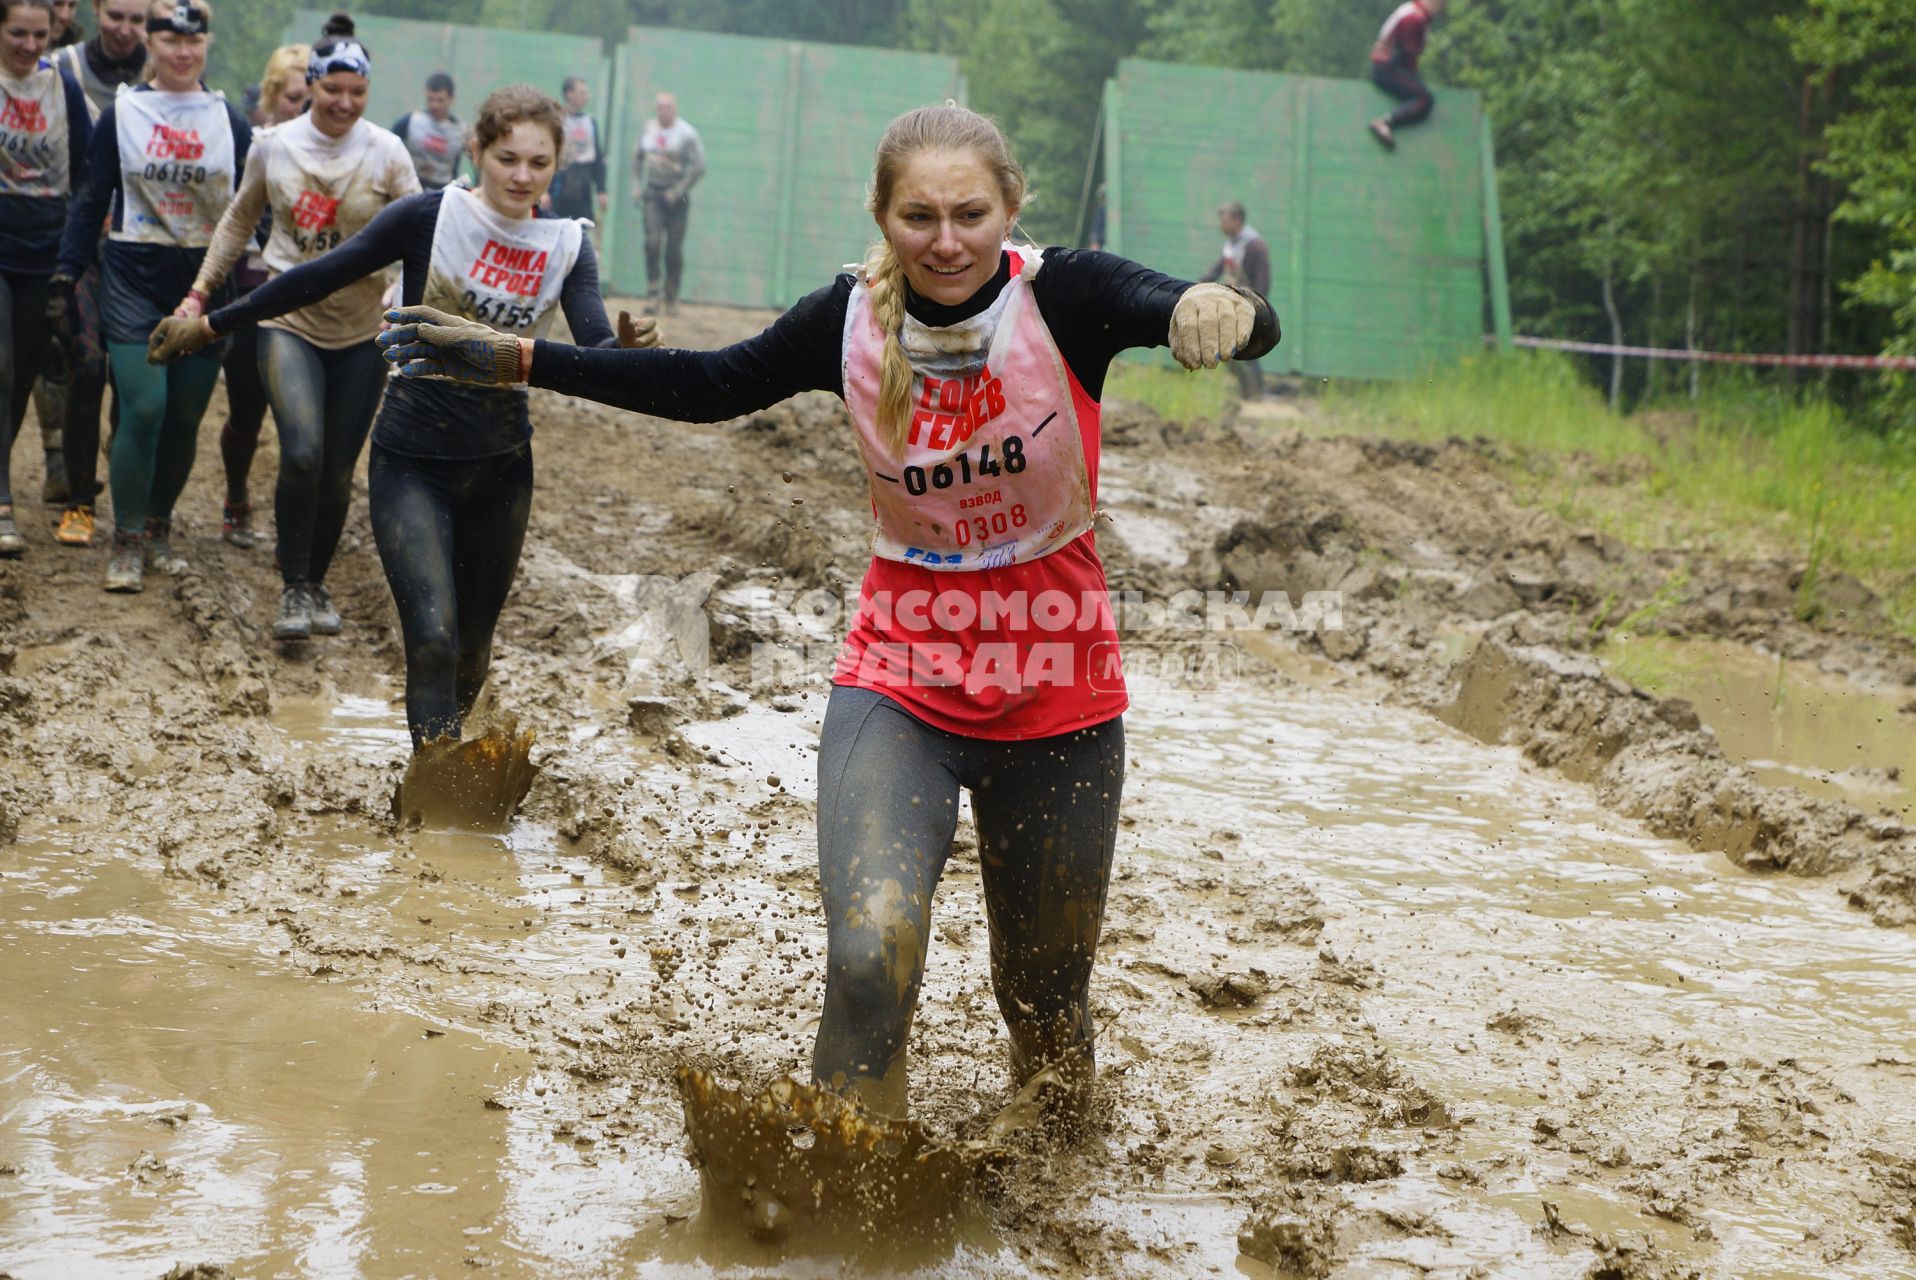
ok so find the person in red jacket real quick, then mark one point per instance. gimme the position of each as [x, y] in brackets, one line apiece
[1393, 65]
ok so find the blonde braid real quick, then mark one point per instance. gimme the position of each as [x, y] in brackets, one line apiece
[885, 277]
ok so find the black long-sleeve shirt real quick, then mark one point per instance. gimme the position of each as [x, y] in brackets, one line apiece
[425, 419]
[1095, 305]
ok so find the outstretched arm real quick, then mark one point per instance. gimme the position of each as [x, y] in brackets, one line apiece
[799, 352]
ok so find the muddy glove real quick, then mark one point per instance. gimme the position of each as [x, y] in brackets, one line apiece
[637, 333]
[178, 336]
[1211, 324]
[425, 342]
[60, 309]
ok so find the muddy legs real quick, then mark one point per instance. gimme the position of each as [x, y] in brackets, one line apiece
[887, 810]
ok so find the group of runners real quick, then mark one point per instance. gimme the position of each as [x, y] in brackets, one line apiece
[972, 369]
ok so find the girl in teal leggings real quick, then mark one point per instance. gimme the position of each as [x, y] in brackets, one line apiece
[164, 157]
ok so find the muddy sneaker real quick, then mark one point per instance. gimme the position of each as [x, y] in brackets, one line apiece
[126, 568]
[236, 525]
[1380, 130]
[53, 490]
[295, 620]
[326, 621]
[11, 543]
[159, 547]
[76, 528]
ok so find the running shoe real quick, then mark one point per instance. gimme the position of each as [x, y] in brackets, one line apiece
[295, 620]
[11, 543]
[1380, 129]
[236, 525]
[76, 527]
[326, 620]
[159, 547]
[127, 566]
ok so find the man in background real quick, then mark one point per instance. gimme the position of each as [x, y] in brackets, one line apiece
[1393, 65]
[669, 162]
[578, 189]
[1245, 263]
[73, 378]
[435, 136]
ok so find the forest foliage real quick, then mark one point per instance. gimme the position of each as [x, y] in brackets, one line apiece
[1730, 174]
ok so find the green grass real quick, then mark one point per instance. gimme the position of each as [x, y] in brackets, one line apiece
[1177, 395]
[1744, 471]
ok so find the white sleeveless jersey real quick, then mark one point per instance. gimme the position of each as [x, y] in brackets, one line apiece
[993, 469]
[503, 272]
[34, 142]
[176, 166]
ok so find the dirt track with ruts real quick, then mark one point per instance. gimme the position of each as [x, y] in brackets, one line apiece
[1434, 948]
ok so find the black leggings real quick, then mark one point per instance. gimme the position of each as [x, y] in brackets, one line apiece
[23, 344]
[1403, 84]
[245, 410]
[449, 532]
[1047, 813]
[76, 394]
[323, 404]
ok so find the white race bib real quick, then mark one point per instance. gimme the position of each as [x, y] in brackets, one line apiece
[993, 470]
[33, 135]
[176, 166]
[503, 272]
[322, 190]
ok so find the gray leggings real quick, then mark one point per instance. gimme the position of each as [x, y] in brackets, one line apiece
[1047, 813]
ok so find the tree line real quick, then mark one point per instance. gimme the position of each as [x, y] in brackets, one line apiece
[1729, 174]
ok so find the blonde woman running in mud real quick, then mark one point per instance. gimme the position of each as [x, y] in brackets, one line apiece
[981, 656]
[451, 469]
[326, 174]
[164, 155]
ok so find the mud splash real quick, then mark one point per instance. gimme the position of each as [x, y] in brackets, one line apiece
[472, 785]
[801, 1164]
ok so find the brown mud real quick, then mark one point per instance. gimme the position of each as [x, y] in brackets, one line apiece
[1434, 947]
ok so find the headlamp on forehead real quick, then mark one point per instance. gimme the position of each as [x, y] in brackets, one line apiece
[182, 19]
[342, 55]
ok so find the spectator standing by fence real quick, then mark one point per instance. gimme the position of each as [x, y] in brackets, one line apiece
[1244, 262]
[670, 161]
[434, 136]
[578, 191]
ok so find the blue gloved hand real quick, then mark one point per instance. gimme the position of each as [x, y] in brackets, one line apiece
[425, 342]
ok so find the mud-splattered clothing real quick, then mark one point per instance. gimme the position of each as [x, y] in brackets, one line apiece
[164, 163]
[45, 130]
[435, 146]
[1091, 306]
[1047, 815]
[431, 419]
[321, 191]
[99, 76]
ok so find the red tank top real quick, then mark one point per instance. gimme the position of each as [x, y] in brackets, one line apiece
[984, 611]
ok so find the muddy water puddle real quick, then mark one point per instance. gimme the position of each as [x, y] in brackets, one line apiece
[1546, 967]
[1791, 723]
[178, 1084]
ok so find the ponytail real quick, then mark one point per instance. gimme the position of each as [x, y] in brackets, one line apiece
[885, 278]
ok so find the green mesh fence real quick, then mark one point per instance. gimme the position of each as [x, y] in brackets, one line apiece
[789, 129]
[479, 59]
[1378, 258]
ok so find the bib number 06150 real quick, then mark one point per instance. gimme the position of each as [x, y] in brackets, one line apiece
[942, 476]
